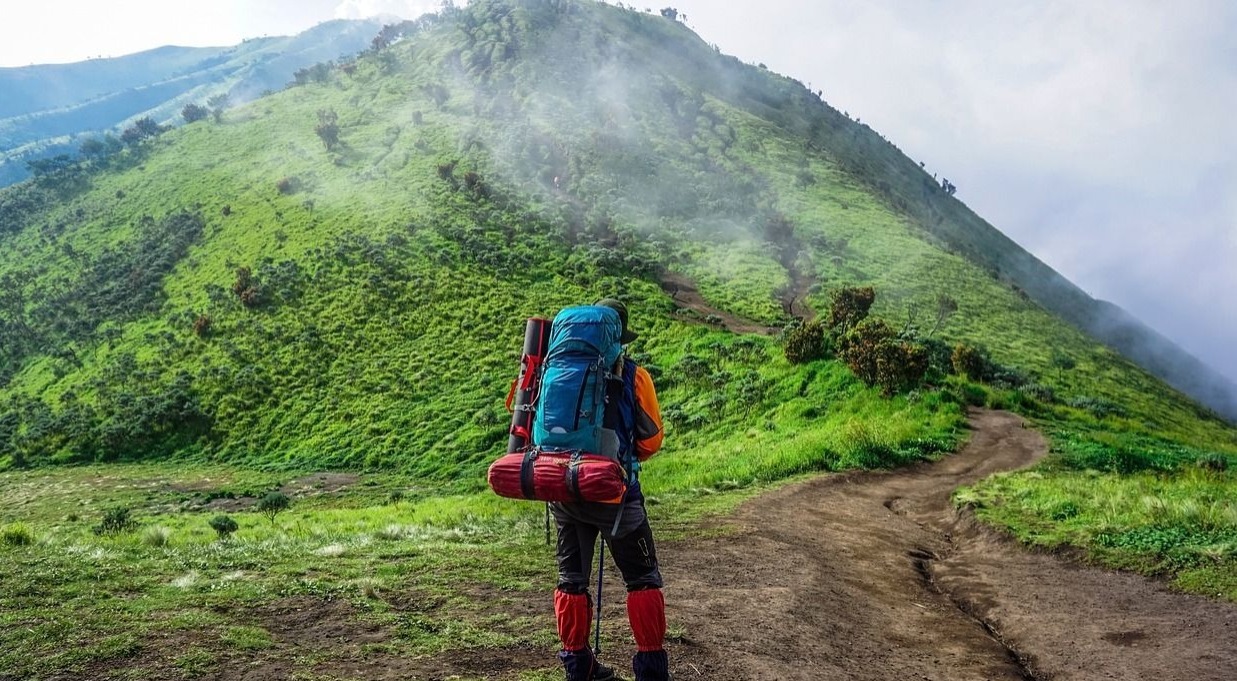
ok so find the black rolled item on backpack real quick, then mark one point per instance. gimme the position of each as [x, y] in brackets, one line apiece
[522, 401]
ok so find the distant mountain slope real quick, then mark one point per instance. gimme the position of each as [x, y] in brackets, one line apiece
[43, 87]
[337, 274]
[904, 185]
[48, 109]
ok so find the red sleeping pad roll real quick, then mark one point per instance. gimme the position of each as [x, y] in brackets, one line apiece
[558, 476]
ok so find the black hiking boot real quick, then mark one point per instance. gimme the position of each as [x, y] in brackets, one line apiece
[603, 673]
[580, 663]
[651, 666]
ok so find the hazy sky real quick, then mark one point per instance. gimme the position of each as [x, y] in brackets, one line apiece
[1097, 134]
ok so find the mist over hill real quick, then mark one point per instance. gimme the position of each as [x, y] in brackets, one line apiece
[337, 274]
[50, 109]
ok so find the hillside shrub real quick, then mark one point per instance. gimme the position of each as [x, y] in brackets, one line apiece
[849, 306]
[201, 325]
[273, 504]
[142, 129]
[900, 366]
[806, 342]
[969, 361]
[1039, 392]
[223, 526]
[860, 348]
[16, 534]
[1062, 362]
[115, 521]
[328, 128]
[194, 112]
[1006, 377]
[288, 185]
[247, 288]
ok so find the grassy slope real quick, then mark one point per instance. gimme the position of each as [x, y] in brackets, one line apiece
[388, 344]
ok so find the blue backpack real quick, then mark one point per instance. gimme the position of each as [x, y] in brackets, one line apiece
[584, 347]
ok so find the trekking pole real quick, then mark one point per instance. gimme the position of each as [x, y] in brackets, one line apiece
[547, 523]
[601, 571]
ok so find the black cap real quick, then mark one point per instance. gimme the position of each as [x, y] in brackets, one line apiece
[618, 306]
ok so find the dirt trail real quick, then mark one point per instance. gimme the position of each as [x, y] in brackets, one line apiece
[793, 298]
[686, 296]
[874, 576]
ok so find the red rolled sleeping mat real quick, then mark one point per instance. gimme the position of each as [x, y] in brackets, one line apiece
[558, 477]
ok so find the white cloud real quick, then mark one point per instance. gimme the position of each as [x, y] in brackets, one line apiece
[405, 9]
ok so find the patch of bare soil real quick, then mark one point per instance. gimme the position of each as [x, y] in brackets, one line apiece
[686, 296]
[306, 486]
[876, 576]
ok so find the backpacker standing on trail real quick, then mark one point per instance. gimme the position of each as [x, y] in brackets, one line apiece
[631, 412]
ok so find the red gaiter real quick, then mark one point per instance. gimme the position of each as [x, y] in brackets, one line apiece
[646, 609]
[574, 614]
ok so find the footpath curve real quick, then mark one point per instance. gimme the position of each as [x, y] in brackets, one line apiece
[876, 576]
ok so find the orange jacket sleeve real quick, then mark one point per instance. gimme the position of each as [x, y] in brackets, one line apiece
[648, 416]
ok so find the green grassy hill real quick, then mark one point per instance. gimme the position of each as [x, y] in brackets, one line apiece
[336, 277]
[503, 162]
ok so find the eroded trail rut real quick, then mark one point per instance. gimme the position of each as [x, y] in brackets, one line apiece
[875, 576]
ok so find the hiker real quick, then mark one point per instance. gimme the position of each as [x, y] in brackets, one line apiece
[625, 529]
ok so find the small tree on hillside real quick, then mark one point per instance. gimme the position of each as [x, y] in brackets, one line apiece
[218, 103]
[193, 113]
[946, 306]
[670, 13]
[328, 127]
[849, 306]
[273, 504]
[142, 129]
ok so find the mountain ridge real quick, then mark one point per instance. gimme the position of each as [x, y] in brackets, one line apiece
[50, 109]
[281, 279]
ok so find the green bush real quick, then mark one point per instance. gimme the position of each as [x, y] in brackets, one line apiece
[273, 504]
[16, 534]
[223, 525]
[970, 362]
[849, 306]
[115, 521]
[861, 347]
[900, 366]
[806, 343]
